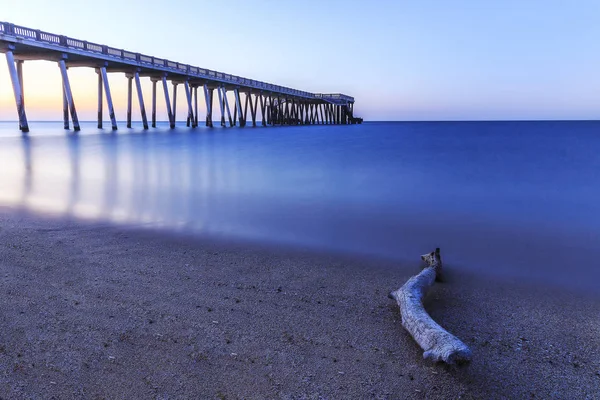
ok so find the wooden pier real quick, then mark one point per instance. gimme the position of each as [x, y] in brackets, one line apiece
[273, 104]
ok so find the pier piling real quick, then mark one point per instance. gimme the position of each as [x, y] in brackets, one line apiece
[109, 102]
[174, 109]
[188, 96]
[168, 102]
[99, 99]
[129, 89]
[18, 92]
[227, 106]
[222, 105]
[154, 80]
[262, 109]
[69, 94]
[208, 98]
[138, 86]
[238, 105]
[195, 122]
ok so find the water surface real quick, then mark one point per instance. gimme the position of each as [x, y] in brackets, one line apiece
[519, 199]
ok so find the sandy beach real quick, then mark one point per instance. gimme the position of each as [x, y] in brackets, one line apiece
[98, 311]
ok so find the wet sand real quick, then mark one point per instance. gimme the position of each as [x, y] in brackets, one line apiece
[98, 311]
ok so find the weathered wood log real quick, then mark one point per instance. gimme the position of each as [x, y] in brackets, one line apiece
[439, 344]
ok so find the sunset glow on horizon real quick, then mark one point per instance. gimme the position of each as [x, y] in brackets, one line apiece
[401, 61]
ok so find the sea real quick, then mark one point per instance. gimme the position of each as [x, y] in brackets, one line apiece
[513, 199]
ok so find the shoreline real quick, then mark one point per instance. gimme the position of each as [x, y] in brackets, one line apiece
[93, 310]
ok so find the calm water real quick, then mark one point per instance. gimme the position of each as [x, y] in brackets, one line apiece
[519, 199]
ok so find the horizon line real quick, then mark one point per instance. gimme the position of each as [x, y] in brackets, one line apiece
[364, 121]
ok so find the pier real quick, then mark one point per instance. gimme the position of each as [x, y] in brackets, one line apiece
[273, 104]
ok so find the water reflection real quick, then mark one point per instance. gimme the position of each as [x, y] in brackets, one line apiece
[27, 178]
[74, 154]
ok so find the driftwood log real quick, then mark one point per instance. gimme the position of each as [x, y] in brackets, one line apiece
[439, 344]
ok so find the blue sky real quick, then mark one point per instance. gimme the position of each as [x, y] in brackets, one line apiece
[401, 60]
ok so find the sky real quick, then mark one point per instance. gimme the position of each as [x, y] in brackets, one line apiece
[400, 60]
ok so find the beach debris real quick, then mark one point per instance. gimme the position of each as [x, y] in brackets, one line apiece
[439, 344]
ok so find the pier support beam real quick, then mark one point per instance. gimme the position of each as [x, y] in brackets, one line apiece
[100, 95]
[18, 91]
[168, 102]
[307, 114]
[22, 83]
[266, 110]
[262, 109]
[279, 111]
[174, 109]
[67, 87]
[211, 97]
[195, 121]
[321, 110]
[138, 86]
[293, 112]
[66, 123]
[270, 112]
[235, 113]
[109, 103]
[208, 98]
[129, 90]
[287, 112]
[227, 106]
[188, 96]
[246, 107]
[221, 105]
[154, 80]
[293, 120]
[253, 107]
[297, 112]
[332, 110]
[238, 104]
